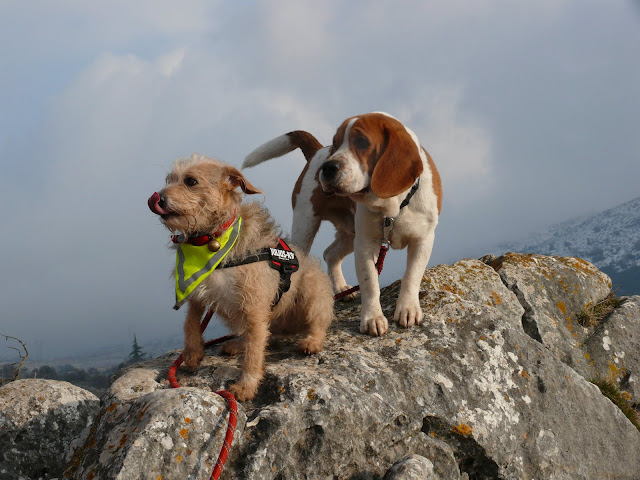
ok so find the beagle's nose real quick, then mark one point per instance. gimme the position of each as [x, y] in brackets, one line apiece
[329, 170]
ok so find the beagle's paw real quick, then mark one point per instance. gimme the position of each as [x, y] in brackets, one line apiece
[375, 325]
[408, 312]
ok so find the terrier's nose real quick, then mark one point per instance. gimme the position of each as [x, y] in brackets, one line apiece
[329, 170]
[158, 204]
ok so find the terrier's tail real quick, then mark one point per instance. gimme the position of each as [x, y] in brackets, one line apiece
[282, 145]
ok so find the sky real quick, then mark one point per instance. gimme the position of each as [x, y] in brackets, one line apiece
[530, 110]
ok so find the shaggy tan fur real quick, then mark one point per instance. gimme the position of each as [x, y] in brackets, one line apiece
[201, 195]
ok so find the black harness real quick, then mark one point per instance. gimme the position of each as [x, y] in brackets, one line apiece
[280, 258]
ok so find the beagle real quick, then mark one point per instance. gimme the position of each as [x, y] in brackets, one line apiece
[358, 183]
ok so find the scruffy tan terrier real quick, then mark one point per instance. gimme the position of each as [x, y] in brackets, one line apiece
[201, 202]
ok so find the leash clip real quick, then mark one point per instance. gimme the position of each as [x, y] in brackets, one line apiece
[387, 226]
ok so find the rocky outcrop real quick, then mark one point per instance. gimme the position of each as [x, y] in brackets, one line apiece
[494, 384]
[39, 419]
[613, 348]
[553, 291]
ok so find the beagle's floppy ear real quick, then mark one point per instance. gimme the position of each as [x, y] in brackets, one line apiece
[399, 165]
[233, 179]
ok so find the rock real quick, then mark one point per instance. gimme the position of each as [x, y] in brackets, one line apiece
[412, 467]
[147, 431]
[38, 421]
[553, 290]
[612, 348]
[471, 393]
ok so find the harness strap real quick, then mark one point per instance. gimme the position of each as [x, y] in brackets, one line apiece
[261, 256]
[280, 258]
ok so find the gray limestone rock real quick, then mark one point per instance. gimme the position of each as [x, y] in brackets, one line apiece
[412, 467]
[145, 430]
[38, 421]
[613, 347]
[469, 390]
[553, 290]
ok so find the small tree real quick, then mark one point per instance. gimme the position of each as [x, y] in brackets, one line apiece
[23, 353]
[136, 355]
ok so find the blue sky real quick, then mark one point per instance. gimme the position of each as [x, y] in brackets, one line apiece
[529, 109]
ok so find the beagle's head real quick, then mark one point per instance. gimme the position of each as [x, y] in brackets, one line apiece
[373, 152]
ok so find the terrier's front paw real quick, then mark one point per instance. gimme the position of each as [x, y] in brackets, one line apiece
[408, 312]
[244, 390]
[375, 326]
[192, 358]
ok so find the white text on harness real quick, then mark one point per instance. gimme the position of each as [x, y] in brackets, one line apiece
[282, 254]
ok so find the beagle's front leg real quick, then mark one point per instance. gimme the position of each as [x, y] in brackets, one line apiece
[367, 247]
[408, 311]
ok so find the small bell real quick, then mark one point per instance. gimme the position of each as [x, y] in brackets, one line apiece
[214, 245]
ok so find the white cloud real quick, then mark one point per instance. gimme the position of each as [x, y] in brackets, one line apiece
[114, 92]
[459, 142]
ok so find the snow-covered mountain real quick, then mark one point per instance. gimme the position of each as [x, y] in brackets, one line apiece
[609, 239]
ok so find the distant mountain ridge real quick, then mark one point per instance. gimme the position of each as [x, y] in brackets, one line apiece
[609, 239]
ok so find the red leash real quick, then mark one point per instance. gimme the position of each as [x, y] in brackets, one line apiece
[228, 396]
[383, 252]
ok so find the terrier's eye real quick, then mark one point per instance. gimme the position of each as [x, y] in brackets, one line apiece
[361, 143]
[190, 181]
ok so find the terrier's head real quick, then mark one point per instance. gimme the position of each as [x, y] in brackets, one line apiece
[200, 195]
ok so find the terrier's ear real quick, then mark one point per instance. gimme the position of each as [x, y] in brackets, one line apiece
[233, 178]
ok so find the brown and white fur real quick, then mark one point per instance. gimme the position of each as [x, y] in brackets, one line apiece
[199, 196]
[355, 183]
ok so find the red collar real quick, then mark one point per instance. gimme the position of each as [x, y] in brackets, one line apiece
[199, 239]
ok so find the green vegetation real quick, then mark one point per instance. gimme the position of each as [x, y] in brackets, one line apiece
[593, 315]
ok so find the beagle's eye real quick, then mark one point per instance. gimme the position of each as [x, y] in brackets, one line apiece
[190, 181]
[361, 143]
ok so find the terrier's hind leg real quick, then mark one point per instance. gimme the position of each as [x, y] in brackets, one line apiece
[317, 304]
[234, 347]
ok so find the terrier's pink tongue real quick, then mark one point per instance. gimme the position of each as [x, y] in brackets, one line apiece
[154, 204]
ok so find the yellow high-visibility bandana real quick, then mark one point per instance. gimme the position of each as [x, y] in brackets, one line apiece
[195, 263]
